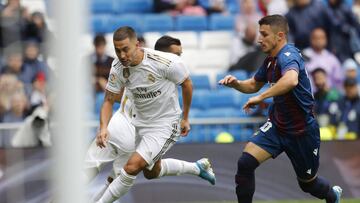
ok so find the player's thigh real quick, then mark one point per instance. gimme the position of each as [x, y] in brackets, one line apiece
[156, 141]
[121, 133]
[265, 143]
[96, 157]
[303, 151]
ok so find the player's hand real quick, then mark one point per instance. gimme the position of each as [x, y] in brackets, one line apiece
[185, 127]
[252, 102]
[229, 80]
[101, 138]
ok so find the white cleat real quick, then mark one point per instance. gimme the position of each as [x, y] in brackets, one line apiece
[206, 172]
[338, 192]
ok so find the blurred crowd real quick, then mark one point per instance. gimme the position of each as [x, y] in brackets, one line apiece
[23, 69]
[326, 31]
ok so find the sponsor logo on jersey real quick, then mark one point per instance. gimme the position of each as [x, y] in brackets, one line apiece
[149, 95]
[151, 78]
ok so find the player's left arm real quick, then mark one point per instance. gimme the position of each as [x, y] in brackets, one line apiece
[179, 74]
[187, 89]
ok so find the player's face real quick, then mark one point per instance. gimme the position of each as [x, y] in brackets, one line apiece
[175, 49]
[267, 39]
[126, 51]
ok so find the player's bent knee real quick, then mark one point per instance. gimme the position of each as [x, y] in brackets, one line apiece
[133, 168]
[154, 172]
[150, 174]
[246, 166]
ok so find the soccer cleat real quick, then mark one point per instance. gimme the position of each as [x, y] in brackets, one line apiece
[338, 192]
[206, 172]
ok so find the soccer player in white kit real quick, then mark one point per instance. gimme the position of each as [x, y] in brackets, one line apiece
[123, 135]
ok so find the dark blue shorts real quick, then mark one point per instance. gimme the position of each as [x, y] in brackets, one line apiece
[303, 150]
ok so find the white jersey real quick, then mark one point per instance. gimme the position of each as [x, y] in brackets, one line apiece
[153, 86]
[126, 106]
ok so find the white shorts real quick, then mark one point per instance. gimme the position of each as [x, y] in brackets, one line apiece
[154, 142]
[119, 148]
[97, 157]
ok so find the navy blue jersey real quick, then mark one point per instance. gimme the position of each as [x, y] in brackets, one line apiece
[292, 112]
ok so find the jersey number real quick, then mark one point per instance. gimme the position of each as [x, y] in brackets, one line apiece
[266, 126]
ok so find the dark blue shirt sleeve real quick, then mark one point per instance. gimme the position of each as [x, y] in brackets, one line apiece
[289, 63]
[260, 75]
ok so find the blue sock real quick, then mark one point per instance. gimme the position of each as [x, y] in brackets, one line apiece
[245, 178]
[319, 188]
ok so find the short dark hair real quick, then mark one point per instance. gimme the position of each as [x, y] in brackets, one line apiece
[123, 33]
[164, 43]
[99, 40]
[277, 21]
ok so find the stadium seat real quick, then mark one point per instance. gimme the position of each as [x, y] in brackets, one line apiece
[215, 39]
[201, 82]
[102, 6]
[222, 99]
[222, 113]
[151, 38]
[133, 6]
[158, 23]
[233, 6]
[200, 101]
[101, 23]
[132, 20]
[221, 22]
[218, 59]
[189, 39]
[239, 74]
[190, 23]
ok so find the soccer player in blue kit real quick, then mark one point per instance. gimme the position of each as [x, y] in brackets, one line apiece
[291, 127]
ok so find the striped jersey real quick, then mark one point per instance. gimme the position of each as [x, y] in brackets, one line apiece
[291, 112]
[152, 86]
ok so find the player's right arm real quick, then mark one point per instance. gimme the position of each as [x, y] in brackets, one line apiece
[245, 86]
[105, 115]
[114, 91]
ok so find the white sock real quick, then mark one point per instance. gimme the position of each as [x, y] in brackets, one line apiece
[118, 187]
[175, 167]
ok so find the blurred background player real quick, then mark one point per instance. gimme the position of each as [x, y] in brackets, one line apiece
[291, 127]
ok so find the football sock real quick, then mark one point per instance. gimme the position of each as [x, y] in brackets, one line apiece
[245, 178]
[118, 187]
[320, 188]
[175, 167]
